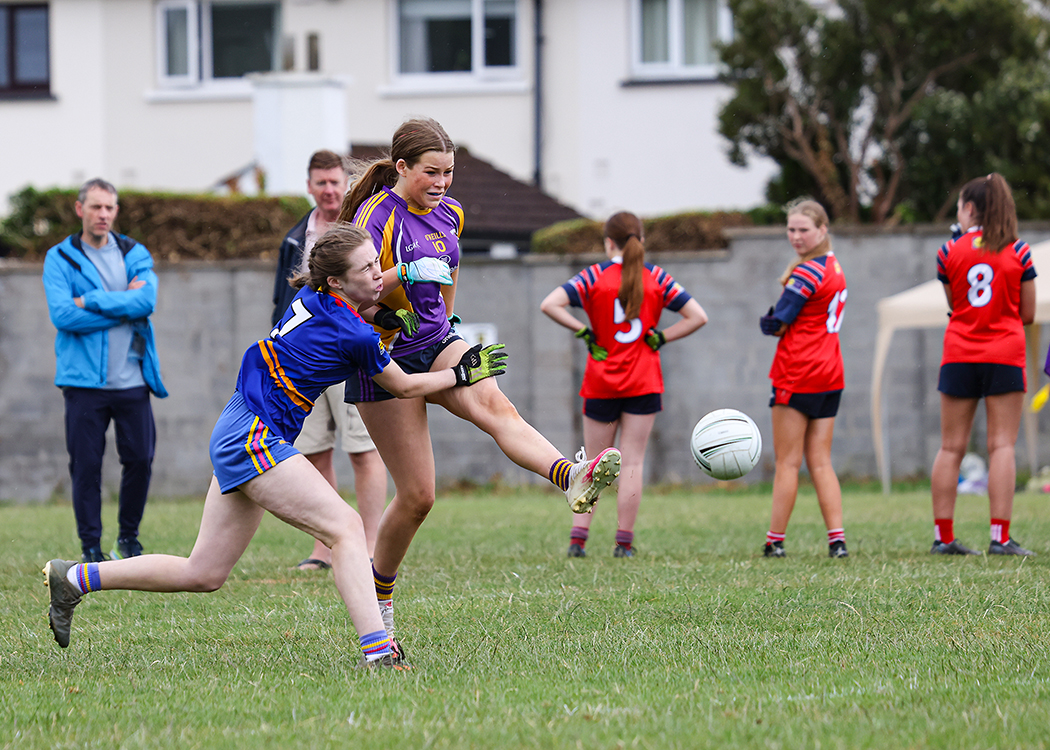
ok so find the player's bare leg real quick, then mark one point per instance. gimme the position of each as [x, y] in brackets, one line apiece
[1004, 421]
[819, 435]
[956, 422]
[789, 433]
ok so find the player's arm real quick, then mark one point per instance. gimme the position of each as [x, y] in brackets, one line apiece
[476, 364]
[948, 296]
[693, 317]
[1027, 308]
[448, 292]
[556, 307]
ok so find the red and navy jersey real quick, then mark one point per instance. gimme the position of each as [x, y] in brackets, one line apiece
[808, 358]
[632, 367]
[319, 341]
[985, 325]
[401, 235]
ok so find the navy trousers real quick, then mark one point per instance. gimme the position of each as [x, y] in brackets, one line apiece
[88, 414]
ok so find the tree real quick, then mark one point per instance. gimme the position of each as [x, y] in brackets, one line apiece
[833, 96]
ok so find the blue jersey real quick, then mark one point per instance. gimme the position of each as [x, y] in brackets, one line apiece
[320, 341]
[401, 235]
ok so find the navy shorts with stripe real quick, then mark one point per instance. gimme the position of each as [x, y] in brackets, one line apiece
[979, 379]
[242, 447]
[609, 409]
[814, 405]
[360, 387]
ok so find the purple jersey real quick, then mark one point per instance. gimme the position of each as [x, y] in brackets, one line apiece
[319, 342]
[402, 235]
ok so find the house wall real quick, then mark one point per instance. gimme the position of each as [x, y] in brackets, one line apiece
[208, 314]
[652, 149]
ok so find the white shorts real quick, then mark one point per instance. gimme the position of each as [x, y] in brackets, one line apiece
[330, 417]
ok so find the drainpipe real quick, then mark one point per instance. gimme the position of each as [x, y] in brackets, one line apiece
[537, 95]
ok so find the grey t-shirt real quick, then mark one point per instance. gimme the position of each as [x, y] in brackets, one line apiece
[124, 366]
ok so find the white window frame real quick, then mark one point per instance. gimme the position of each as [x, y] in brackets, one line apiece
[199, 76]
[480, 77]
[675, 67]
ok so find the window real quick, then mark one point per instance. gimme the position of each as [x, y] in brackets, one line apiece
[24, 53]
[676, 38]
[457, 37]
[210, 40]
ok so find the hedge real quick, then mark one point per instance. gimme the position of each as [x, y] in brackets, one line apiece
[686, 231]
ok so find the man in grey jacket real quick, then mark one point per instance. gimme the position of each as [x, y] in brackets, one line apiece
[101, 290]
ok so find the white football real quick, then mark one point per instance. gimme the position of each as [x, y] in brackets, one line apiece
[726, 444]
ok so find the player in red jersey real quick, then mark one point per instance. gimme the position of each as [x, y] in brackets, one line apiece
[623, 298]
[989, 280]
[807, 375]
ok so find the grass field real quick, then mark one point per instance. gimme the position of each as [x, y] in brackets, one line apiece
[697, 642]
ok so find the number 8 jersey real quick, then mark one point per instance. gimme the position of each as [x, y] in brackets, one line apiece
[985, 324]
[808, 358]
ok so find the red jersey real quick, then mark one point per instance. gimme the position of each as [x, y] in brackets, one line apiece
[808, 358]
[632, 368]
[986, 299]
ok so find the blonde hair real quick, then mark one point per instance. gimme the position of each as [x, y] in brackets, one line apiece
[815, 212]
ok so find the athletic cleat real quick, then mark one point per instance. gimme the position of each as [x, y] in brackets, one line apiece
[64, 597]
[125, 547]
[94, 554]
[620, 551]
[837, 549]
[576, 550]
[386, 661]
[386, 611]
[954, 547]
[1009, 547]
[774, 549]
[397, 654]
[587, 479]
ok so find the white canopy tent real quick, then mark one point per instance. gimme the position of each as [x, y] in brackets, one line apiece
[925, 306]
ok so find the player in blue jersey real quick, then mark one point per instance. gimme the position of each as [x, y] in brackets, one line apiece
[321, 340]
[402, 201]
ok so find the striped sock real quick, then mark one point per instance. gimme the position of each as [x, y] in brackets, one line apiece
[84, 577]
[773, 537]
[624, 538]
[375, 645]
[559, 473]
[384, 586]
[579, 535]
[1001, 530]
[943, 530]
[836, 535]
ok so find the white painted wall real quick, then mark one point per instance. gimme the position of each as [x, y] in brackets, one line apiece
[652, 149]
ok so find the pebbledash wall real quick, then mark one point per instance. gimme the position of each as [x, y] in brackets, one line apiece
[207, 314]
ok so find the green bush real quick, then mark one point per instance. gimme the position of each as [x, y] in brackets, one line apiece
[174, 227]
[679, 232]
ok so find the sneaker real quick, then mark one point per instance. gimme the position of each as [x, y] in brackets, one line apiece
[575, 550]
[775, 549]
[954, 547]
[837, 549]
[64, 597]
[1009, 547]
[128, 546]
[587, 479]
[620, 551]
[94, 554]
[386, 611]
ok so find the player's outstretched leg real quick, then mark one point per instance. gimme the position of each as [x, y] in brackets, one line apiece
[587, 479]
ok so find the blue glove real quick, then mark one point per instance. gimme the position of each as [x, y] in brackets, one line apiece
[598, 353]
[769, 324]
[424, 269]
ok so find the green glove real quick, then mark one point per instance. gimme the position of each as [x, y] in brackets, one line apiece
[598, 353]
[424, 269]
[655, 339]
[478, 364]
[392, 320]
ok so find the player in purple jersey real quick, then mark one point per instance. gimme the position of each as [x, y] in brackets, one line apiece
[320, 341]
[402, 201]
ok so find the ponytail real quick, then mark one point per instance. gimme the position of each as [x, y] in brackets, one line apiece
[625, 231]
[378, 174]
[996, 213]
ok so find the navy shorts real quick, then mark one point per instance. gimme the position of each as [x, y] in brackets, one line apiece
[242, 447]
[609, 409]
[360, 387]
[814, 405]
[979, 379]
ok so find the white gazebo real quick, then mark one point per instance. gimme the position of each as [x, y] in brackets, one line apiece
[925, 306]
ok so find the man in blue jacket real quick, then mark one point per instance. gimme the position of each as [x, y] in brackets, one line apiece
[101, 290]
